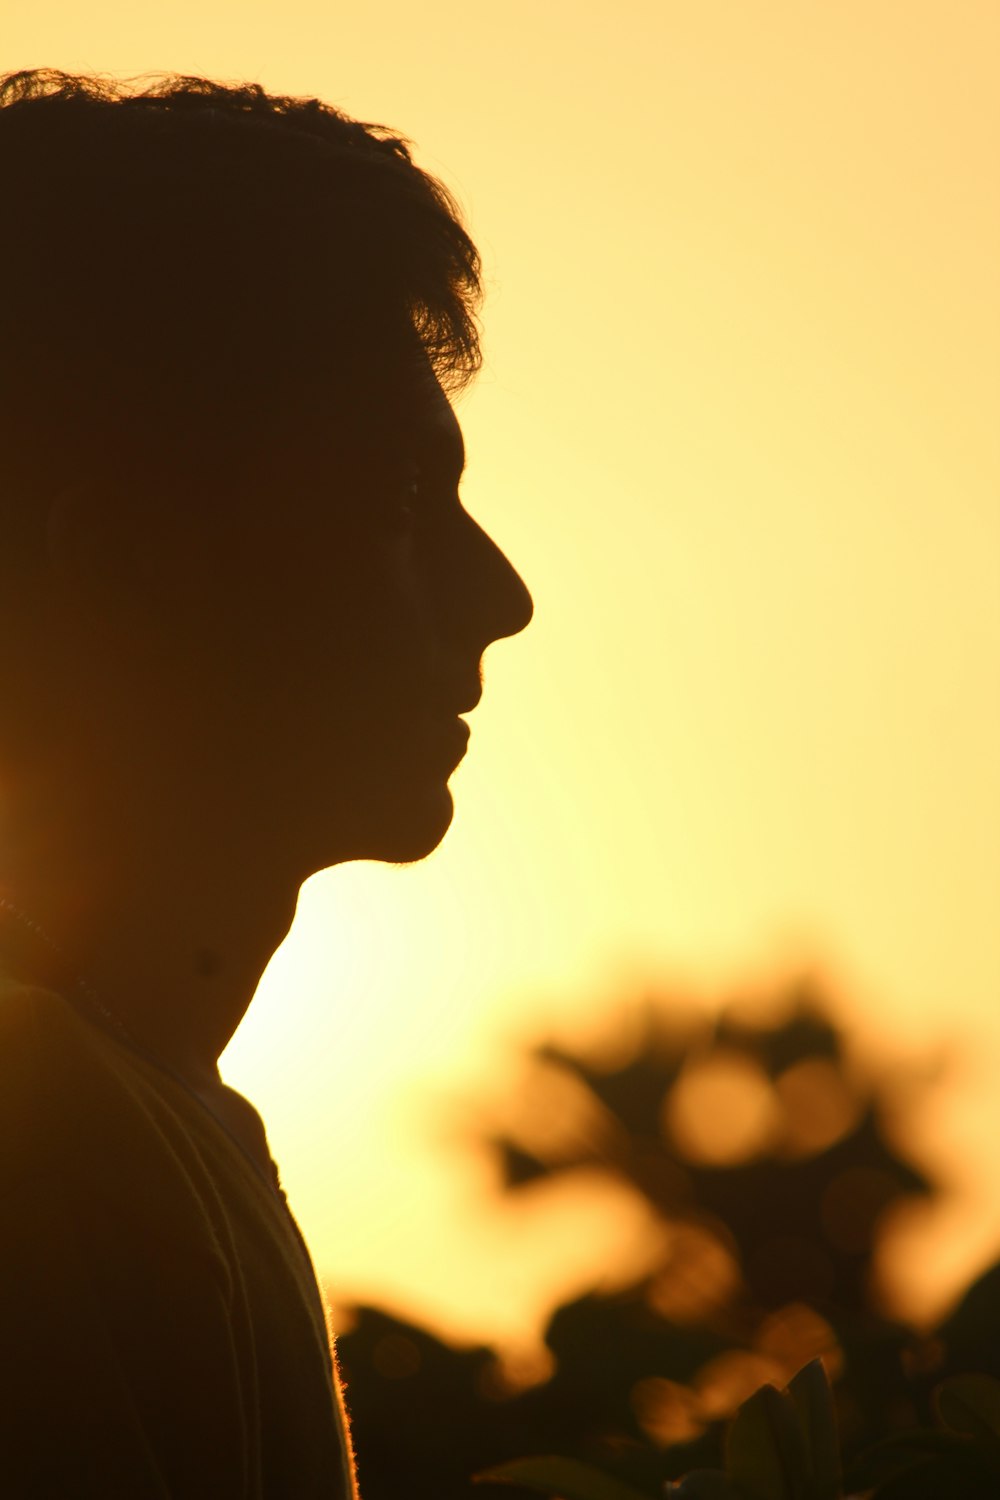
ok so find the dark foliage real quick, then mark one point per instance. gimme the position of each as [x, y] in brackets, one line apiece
[769, 1266]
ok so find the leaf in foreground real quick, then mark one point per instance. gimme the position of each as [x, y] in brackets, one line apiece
[764, 1448]
[970, 1404]
[810, 1392]
[561, 1476]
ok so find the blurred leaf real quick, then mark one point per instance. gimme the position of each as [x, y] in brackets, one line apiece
[564, 1477]
[970, 1404]
[765, 1452]
[813, 1401]
[901, 1454]
[938, 1479]
[519, 1166]
[703, 1484]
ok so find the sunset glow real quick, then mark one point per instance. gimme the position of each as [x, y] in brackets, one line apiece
[738, 431]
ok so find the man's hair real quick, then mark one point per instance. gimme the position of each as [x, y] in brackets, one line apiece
[180, 264]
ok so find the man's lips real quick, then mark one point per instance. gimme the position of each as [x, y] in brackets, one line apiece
[458, 728]
[449, 735]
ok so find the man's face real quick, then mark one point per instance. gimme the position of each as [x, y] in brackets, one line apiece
[362, 613]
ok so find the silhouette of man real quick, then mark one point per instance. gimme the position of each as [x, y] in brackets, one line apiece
[241, 609]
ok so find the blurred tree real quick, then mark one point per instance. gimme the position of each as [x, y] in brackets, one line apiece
[764, 1152]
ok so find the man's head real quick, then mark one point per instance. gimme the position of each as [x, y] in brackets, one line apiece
[230, 537]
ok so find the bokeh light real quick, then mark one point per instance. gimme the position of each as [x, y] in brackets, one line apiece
[723, 1110]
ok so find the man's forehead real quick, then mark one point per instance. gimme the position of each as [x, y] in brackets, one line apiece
[403, 418]
[430, 423]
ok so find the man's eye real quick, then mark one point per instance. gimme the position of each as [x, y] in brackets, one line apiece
[399, 500]
[418, 501]
[410, 500]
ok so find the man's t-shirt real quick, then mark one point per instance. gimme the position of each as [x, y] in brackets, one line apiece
[161, 1330]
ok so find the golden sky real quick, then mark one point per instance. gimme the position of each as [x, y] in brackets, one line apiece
[738, 429]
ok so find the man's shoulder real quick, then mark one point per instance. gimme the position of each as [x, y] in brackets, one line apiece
[60, 1072]
[28, 1015]
[41, 1033]
[34, 1023]
[79, 1117]
[68, 1089]
[45, 1056]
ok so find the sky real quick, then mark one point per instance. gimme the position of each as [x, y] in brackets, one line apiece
[737, 428]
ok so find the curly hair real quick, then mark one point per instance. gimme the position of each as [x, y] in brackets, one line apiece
[181, 260]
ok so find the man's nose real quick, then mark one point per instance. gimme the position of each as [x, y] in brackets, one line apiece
[502, 598]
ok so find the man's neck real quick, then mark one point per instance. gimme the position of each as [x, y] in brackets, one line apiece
[171, 942]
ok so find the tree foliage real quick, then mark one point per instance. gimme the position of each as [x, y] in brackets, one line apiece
[766, 1154]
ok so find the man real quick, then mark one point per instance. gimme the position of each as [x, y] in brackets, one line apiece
[241, 609]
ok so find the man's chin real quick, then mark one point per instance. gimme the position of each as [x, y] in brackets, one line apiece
[402, 835]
